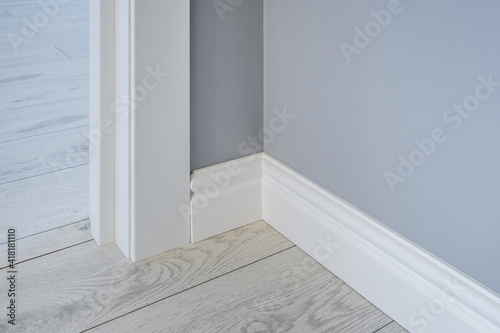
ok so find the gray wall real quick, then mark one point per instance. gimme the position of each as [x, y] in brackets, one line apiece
[226, 78]
[355, 119]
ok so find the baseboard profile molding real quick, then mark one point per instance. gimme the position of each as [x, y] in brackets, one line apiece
[415, 288]
[419, 291]
[226, 196]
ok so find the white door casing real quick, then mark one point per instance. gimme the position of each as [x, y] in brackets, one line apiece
[140, 86]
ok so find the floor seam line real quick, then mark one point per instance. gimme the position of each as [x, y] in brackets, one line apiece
[62, 51]
[192, 287]
[49, 253]
[378, 330]
[41, 232]
[51, 102]
[47, 133]
[40, 81]
[44, 174]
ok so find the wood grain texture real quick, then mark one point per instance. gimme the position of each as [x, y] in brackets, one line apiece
[41, 203]
[85, 285]
[29, 94]
[41, 154]
[45, 118]
[392, 328]
[14, 25]
[48, 71]
[74, 50]
[26, 56]
[75, 10]
[8, 3]
[39, 41]
[49, 241]
[288, 292]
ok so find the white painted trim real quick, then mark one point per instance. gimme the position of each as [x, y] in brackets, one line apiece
[139, 167]
[123, 66]
[394, 274]
[102, 117]
[387, 269]
[226, 196]
[159, 126]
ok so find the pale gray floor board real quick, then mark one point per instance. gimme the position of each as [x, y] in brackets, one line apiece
[9, 23]
[8, 3]
[68, 12]
[27, 56]
[74, 50]
[44, 118]
[41, 203]
[4, 15]
[48, 71]
[85, 285]
[15, 25]
[42, 154]
[80, 25]
[49, 241]
[38, 41]
[63, 15]
[392, 328]
[257, 298]
[29, 94]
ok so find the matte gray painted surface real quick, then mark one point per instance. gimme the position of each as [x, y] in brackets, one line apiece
[226, 79]
[354, 120]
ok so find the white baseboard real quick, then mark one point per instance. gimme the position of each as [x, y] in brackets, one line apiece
[412, 286]
[226, 196]
[395, 275]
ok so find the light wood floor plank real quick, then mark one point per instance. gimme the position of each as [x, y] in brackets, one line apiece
[9, 23]
[392, 328]
[15, 25]
[45, 202]
[47, 40]
[45, 118]
[9, 3]
[74, 50]
[30, 73]
[257, 298]
[85, 285]
[3, 14]
[41, 154]
[49, 241]
[30, 56]
[29, 94]
[67, 12]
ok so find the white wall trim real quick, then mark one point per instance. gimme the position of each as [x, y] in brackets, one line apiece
[102, 120]
[159, 125]
[139, 124]
[394, 274]
[123, 88]
[225, 196]
[387, 269]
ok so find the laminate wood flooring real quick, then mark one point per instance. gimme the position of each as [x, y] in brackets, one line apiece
[44, 69]
[251, 279]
